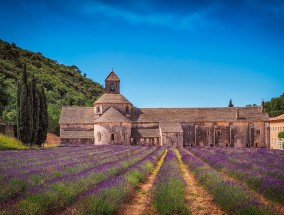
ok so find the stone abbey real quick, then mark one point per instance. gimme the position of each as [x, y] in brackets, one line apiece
[114, 120]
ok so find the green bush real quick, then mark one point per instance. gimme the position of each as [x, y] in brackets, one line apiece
[8, 143]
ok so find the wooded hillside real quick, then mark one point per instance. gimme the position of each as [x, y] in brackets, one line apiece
[275, 106]
[64, 85]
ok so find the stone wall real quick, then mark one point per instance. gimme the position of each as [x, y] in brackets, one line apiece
[112, 133]
[225, 134]
[172, 139]
[79, 141]
[8, 130]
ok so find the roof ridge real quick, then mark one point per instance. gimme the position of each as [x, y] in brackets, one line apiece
[112, 76]
[112, 115]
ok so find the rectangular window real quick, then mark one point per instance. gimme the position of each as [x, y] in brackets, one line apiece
[258, 132]
[280, 145]
[208, 132]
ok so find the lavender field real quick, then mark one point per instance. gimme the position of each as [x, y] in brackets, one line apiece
[105, 180]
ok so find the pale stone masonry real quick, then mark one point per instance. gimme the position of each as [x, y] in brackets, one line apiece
[276, 126]
[114, 120]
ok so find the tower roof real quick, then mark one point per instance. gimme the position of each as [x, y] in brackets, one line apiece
[112, 115]
[109, 98]
[112, 77]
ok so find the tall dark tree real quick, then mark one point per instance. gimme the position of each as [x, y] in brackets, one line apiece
[230, 103]
[35, 111]
[43, 116]
[3, 94]
[24, 125]
[32, 116]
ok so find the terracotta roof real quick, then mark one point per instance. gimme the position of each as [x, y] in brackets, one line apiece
[76, 134]
[112, 77]
[110, 98]
[146, 132]
[281, 117]
[170, 127]
[197, 114]
[75, 115]
[112, 115]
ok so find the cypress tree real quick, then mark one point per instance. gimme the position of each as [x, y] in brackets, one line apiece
[32, 116]
[35, 111]
[43, 117]
[3, 94]
[230, 103]
[24, 126]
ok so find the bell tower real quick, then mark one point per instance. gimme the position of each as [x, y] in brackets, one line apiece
[112, 83]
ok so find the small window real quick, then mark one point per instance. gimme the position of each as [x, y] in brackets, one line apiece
[124, 136]
[98, 109]
[112, 136]
[99, 137]
[258, 132]
[112, 88]
[189, 133]
[208, 132]
[219, 132]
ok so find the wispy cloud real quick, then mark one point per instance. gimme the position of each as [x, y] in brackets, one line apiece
[172, 20]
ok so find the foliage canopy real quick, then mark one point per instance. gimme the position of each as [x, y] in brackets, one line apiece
[64, 85]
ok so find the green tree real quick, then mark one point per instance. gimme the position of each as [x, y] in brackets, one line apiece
[275, 106]
[43, 117]
[3, 94]
[35, 111]
[230, 103]
[24, 124]
[281, 134]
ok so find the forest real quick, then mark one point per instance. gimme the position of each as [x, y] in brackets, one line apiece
[64, 85]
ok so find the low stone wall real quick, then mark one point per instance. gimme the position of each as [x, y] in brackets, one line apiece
[86, 141]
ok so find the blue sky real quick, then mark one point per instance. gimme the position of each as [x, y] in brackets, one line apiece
[167, 53]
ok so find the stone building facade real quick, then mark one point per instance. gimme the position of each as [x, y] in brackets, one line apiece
[114, 120]
[276, 126]
[7, 130]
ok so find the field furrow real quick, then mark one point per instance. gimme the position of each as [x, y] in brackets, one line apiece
[230, 196]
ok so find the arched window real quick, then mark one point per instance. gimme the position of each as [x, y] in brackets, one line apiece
[112, 88]
[112, 136]
[98, 109]
[99, 137]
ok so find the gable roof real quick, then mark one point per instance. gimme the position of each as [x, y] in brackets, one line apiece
[145, 132]
[277, 118]
[111, 98]
[76, 114]
[170, 127]
[112, 115]
[112, 77]
[225, 114]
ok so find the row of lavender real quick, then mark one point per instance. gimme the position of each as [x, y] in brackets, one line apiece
[169, 187]
[54, 192]
[230, 196]
[16, 181]
[108, 195]
[259, 169]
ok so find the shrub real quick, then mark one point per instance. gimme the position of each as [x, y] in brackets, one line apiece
[8, 143]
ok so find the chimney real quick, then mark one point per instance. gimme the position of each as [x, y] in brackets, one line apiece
[262, 106]
[238, 113]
